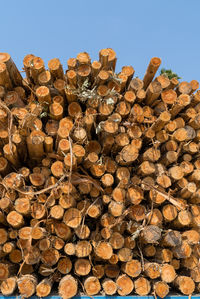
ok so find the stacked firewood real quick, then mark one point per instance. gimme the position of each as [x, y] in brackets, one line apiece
[99, 179]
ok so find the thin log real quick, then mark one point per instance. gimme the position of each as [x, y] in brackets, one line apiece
[151, 71]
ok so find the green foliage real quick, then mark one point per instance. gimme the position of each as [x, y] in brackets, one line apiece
[169, 74]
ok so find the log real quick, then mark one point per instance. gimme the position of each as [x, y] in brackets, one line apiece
[43, 289]
[142, 286]
[15, 219]
[3, 236]
[109, 286]
[92, 285]
[72, 217]
[168, 273]
[43, 95]
[83, 249]
[82, 267]
[50, 256]
[185, 284]
[152, 270]
[104, 250]
[12, 69]
[112, 271]
[15, 256]
[68, 287]
[124, 285]
[125, 254]
[27, 285]
[69, 249]
[7, 270]
[132, 268]
[55, 68]
[151, 234]
[27, 61]
[151, 71]
[8, 286]
[5, 80]
[64, 265]
[161, 289]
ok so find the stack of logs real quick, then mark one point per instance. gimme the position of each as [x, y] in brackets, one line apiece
[99, 179]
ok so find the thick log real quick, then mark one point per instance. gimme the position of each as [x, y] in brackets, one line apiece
[68, 287]
[142, 286]
[43, 289]
[124, 285]
[161, 289]
[82, 267]
[185, 284]
[109, 286]
[8, 286]
[27, 285]
[92, 285]
[12, 69]
[64, 265]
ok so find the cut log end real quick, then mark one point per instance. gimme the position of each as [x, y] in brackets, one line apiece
[68, 287]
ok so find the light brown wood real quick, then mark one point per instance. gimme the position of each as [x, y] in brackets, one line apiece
[105, 184]
[27, 285]
[168, 273]
[132, 268]
[109, 286]
[124, 285]
[82, 267]
[72, 217]
[104, 250]
[142, 286]
[68, 287]
[64, 265]
[43, 289]
[50, 257]
[55, 68]
[10, 153]
[27, 61]
[185, 284]
[83, 249]
[12, 69]
[44, 78]
[36, 67]
[151, 71]
[69, 249]
[161, 289]
[92, 285]
[153, 92]
[8, 286]
[43, 95]
[5, 80]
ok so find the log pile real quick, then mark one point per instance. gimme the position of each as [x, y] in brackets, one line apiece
[99, 179]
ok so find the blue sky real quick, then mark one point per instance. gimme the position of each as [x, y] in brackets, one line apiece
[136, 30]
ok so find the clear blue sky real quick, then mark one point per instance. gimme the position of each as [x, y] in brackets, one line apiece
[136, 30]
